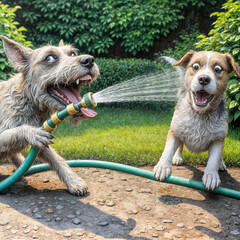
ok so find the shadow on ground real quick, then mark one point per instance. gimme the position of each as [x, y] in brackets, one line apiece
[61, 211]
[225, 209]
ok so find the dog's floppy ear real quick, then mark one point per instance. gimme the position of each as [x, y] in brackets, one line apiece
[232, 65]
[17, 54]
[184, 60]
[61, 43]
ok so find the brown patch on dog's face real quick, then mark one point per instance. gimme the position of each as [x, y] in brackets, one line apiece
[206, 77]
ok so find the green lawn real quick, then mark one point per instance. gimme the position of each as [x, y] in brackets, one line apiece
[129, 136]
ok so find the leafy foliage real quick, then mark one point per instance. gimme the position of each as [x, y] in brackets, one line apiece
[9, 28]
[100, 27]
[224, 37]
[187, 39]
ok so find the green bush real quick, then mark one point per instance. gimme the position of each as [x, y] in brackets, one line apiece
[9, 28]
[187, 39]
[225, 37]
[100, 27]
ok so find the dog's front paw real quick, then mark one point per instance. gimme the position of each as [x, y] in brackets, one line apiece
[162, 171]
[211, 180]
[177, 161]
[77, 187]
[40, 138]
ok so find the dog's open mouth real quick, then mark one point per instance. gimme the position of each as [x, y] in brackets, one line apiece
[67, 94]
[202, 98]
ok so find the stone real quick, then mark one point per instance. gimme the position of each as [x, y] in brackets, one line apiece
[129, 190]
[103, 223]
[216, 225]
[180, 225]
[24, 226]
[78, 212]
[160, 228]
[123, 179]
[59, 207]
[58, 219]
[49, 210]
[115, 190]
[109, 203]
[26, 231]
[35, 210]
[35, 228]
[80, 234]
[155, 235]
[67, 235]
[69, 216]
[167, 221]
[38, 216]
[235, 232]
[45, 180]
[76, 221]
[135, 211]
[14, 231]
[4, 223]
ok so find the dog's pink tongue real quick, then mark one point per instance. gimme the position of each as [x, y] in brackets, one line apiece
[201, 97]
[73, 96]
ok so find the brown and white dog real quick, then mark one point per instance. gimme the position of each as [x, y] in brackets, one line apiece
[49, 78]
[200, 118]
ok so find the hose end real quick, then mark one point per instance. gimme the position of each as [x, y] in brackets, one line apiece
[87, 101]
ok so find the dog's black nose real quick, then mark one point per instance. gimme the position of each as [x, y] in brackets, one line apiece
[87, 61]
[204, 79]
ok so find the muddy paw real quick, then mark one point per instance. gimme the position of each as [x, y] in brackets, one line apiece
[40, 138]
[211, 180]
[177, 161]
[78, 187]
[162, 171]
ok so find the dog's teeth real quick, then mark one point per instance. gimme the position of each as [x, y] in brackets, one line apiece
[77, 82]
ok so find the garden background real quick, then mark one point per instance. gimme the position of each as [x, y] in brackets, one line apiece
[127, 38]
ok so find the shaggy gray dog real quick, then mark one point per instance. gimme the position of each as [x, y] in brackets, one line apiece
[49, 78]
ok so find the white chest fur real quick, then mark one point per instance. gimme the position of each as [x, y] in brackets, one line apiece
[198, 131]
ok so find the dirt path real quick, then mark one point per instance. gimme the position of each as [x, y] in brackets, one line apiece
[120, 206]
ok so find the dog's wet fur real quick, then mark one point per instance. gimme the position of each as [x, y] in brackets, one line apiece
[48, 79]
[200, 120]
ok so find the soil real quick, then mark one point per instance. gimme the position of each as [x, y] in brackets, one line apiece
[120, 206]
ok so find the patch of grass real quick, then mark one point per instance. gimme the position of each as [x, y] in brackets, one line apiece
[130, 136]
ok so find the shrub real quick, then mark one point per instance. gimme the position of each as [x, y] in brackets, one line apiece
[9, 28]
[99, 27]
[187, 39]
[224, 37]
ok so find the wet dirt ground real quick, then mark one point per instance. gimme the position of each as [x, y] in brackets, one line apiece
[120, 206]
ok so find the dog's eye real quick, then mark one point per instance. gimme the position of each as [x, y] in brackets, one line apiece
[73, 54]
[196, 66]
[50, 58]
[217, 69]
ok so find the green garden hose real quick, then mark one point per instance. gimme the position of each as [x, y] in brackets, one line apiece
[138, 172]
[72, 109]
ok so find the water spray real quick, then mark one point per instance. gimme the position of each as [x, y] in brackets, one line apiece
[89, 101]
